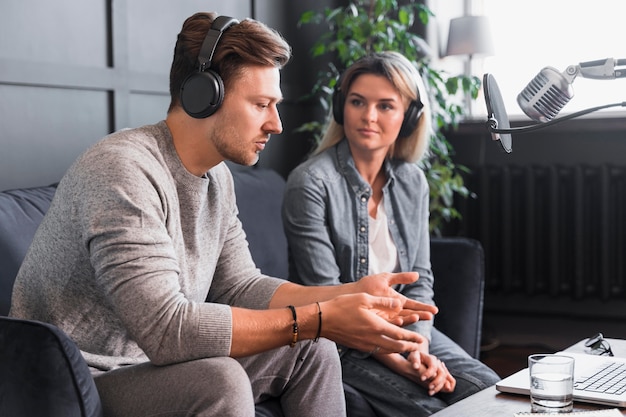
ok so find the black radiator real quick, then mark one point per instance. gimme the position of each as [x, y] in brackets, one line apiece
[558, 231]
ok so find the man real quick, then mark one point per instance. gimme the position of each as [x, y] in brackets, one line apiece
[142, 261]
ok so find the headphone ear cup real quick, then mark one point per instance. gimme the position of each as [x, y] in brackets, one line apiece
[411, 117]
[202, 93]
[338, 103]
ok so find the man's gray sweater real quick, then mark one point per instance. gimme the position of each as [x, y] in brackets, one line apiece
[131, 250]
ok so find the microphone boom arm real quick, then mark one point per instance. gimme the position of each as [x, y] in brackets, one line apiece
[492, 123]
[603, 69]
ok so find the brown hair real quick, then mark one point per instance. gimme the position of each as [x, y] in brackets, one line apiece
[245, 44]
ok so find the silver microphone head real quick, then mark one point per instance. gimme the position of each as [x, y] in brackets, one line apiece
[545, 95]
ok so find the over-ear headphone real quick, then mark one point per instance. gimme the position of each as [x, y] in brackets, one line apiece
[202, 92]
[411, 116]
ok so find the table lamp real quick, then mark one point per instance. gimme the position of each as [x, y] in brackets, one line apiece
[469, 35]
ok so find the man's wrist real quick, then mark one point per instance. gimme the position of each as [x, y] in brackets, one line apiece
[306, 323]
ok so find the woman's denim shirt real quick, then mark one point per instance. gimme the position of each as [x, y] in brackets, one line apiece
[326, 222]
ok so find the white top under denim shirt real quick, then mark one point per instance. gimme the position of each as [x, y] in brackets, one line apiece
[326, 218]
[383, 255]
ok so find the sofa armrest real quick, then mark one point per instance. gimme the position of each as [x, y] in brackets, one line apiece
[21, 211]
[459, 270]
[43, 372]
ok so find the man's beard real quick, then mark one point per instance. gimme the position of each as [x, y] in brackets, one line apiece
[233, 150]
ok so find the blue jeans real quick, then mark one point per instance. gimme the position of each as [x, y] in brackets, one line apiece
[393, 395]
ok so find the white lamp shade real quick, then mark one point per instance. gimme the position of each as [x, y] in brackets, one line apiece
[470, 35]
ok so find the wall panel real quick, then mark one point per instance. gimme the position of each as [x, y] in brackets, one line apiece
[154, 24]
[45, 129]
[72, 71]
[146, 108]
[43, 32]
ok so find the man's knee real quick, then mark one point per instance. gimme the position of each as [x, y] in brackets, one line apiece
[320, 360]
[223, 374]
[325, 352]
[203, 387]
[223, 385]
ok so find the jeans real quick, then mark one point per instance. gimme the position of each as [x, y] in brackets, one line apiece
[393, 395]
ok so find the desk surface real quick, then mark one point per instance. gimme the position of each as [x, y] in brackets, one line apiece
[491, 403]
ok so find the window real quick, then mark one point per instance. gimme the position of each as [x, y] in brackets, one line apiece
[532, 34]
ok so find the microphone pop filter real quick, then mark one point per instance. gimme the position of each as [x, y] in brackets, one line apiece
[496, 113]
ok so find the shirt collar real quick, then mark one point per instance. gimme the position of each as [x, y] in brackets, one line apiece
[348, 169]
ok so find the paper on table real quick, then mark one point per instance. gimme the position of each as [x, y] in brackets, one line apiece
[613, 412]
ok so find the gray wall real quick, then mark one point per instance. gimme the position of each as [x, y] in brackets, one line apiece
[72, 71]
[285, 151]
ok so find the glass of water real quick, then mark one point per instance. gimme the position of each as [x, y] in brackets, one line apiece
[551, 383]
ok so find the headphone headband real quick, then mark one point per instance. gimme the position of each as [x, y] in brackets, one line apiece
[219, 26]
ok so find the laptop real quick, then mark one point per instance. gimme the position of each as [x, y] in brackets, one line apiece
[589, 385]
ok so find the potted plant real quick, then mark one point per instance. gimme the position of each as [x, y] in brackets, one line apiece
[365, 26]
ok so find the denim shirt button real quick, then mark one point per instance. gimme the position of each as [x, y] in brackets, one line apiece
[362, 229]
[362, 260]
[363, 199]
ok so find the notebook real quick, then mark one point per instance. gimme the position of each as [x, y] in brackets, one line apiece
[609, 412]
[586, 368]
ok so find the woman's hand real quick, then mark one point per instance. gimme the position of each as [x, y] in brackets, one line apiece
[381, 285]
[422, 368]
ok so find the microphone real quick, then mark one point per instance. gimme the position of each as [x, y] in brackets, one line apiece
[546, 94]
[498, 121]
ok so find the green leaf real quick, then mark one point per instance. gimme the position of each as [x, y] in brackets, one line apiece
[403, 17]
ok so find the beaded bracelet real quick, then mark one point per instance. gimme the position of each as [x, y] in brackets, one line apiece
[294, 331]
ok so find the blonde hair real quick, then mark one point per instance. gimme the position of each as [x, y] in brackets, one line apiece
[406, 79]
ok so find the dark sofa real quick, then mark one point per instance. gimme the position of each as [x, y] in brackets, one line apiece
[41, 368]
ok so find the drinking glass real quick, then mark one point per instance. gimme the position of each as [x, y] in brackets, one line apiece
[551, 383]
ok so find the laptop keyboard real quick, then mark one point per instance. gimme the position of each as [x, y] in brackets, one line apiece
[610, 378]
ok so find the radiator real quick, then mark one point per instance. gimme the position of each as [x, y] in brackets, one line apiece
[553, 230]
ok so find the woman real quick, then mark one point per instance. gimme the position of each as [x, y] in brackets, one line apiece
[358, 206]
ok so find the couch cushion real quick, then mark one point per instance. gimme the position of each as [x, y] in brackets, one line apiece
[43, 373]
[21, 212]
[259, 199]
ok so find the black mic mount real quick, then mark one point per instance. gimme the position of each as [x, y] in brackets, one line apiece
[492, 123]
[544, 97]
